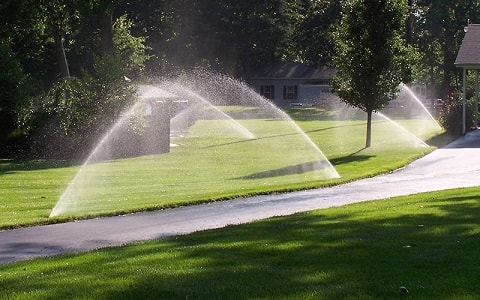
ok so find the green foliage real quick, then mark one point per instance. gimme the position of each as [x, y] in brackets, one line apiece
[14, 96]
[12, 85]
[311, 37]
[451, 114]
[438, 35]
[224, 35]
[76, 111]
[130, 50]
[371, 56]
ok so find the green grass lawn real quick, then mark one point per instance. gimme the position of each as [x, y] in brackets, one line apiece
[427, 243]
[205, 167]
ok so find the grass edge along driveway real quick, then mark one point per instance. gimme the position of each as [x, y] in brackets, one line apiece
[427, 243]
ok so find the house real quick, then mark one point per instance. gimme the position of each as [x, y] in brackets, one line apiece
[293, 83]
[468, 58]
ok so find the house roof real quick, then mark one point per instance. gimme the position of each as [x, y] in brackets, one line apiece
[293, 70]
[153, 93]
[469, 54]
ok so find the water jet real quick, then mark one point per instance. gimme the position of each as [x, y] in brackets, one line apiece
[244, 144]
[417, 101]
[417, 142]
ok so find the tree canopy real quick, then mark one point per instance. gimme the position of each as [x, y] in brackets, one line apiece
[49, 43]
[371, 57]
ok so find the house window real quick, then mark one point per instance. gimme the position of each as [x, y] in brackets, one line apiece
[290, 92]
[267, 91]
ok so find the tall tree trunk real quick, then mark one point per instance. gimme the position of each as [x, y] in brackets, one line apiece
[448, 62]
[61, 56]
[433, 85]
[106, 9]
[409, 25]
[368, 142]
[106, 31]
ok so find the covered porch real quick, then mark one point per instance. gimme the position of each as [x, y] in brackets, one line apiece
[468, 58]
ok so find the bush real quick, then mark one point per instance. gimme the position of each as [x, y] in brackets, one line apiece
[14, 95]
[451, 114]
[77, 111]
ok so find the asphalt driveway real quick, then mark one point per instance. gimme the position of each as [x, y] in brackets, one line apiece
[456, 165]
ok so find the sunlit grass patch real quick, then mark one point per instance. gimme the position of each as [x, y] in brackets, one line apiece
[211, 162]
[427, 243]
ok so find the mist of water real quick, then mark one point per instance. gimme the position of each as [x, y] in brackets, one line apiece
[424, 124]
[417, 142]
[253, 128]
[76, 186]
[182, 119]
[419, 103]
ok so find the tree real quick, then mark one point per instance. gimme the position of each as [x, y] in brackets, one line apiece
[13, 95]
[76, 111]
[310, 39]
[105, 10]
[438, 34]
[225, 35]
[371, 56]
[409, 24]
[58, 15]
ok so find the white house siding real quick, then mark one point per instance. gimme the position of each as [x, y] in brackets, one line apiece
[315, 94]
[311, 83]
[306, 93]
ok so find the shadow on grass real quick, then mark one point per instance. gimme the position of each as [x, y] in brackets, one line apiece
[310, 114]
[335, 127]
[284, 135]
[441, 140]
[295, 169]
[316, 113]
[347, 254]
[428, 245]
[254, 139]
[252, 113]
[353, 157]
[309, 166]
[8, 166]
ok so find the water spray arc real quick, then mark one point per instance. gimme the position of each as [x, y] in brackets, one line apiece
[63, 203]
[263, 140]
[417, 101]
[189, 94]
[416, 140]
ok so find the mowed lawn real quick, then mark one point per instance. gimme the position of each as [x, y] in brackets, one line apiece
[426, 243]
[212, 162]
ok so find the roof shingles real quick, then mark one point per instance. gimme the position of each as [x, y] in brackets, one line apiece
[469, 54]
[293, 70]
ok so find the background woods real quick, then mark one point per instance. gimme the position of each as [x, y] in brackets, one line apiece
[64, 63]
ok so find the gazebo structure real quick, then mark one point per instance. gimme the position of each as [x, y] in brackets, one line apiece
[151, 135]
[468, 58]
[161, 107]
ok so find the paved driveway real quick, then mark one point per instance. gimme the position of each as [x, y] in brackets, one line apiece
[457, 165]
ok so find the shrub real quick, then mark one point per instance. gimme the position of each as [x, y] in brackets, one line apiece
[76, 111]
[451, 114]
[14, 95]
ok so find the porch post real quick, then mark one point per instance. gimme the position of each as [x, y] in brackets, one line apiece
[464, 101]
[475, 117]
